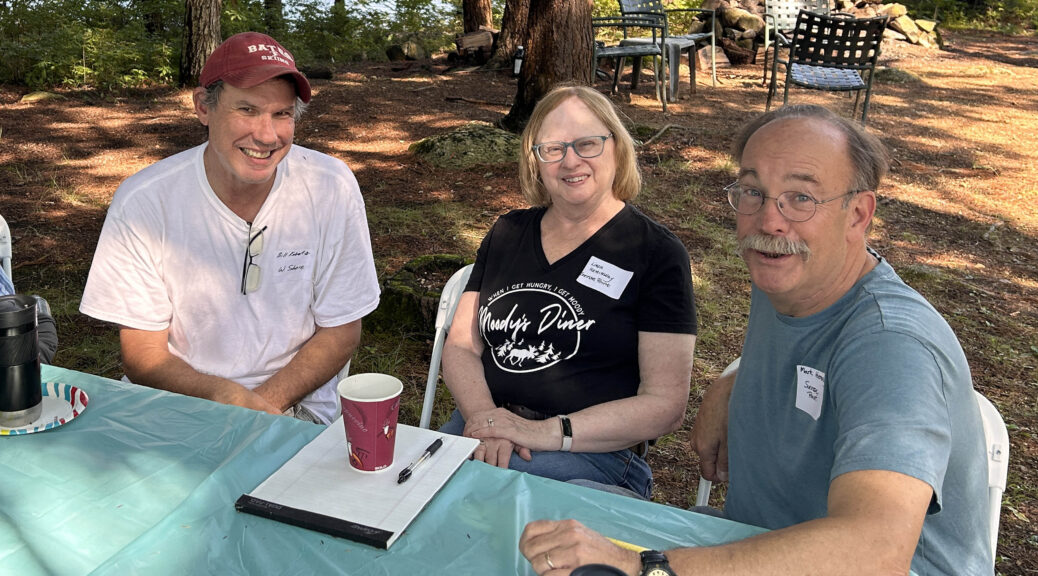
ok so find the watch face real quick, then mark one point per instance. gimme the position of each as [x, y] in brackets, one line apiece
[658, 572]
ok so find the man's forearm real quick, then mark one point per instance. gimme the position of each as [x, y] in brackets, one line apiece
[147, 361]
[317, 361]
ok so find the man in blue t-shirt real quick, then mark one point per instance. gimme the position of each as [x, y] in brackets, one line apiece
[851, 429]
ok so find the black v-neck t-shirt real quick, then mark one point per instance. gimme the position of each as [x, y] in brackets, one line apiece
[561, 337]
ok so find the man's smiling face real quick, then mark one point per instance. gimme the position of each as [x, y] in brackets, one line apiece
[250, 132]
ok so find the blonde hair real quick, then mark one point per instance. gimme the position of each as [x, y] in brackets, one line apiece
[626, 183]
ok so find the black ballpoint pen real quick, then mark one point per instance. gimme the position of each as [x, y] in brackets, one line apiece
[406, 472]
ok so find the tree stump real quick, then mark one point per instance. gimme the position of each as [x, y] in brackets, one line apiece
[411, 297]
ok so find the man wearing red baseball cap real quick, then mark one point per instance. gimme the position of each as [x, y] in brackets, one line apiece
[239, 270]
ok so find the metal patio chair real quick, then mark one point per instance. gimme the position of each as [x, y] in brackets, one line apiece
[676, 44]
[834, 52]
[621, 28]
[780, 17]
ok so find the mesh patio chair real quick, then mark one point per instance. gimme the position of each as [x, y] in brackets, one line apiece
[676, 44]
[780, 17]
[834, 52]
[613, 28]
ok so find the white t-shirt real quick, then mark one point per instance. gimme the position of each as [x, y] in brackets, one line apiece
[171, 256]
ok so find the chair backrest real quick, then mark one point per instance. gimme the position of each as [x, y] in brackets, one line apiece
[449, 297]
[996, 444]
[627, 6]
[784, 12]
[836, 41]
[5, 248]
[703, 490]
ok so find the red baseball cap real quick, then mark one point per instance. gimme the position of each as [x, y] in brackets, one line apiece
[249, 59]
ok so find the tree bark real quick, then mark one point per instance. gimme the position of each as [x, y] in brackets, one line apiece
[513, 31]
[201, 37]
[558, 46]
[476, 13]
[274, 19]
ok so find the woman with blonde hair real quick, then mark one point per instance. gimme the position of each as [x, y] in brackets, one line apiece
[572, 345]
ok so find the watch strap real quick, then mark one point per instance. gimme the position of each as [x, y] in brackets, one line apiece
[567, 433]
[654, 563]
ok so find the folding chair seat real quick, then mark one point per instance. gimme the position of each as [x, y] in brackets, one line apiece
[449, 298]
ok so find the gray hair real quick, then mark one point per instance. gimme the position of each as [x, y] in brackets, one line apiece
[212, 97]
[867, 154]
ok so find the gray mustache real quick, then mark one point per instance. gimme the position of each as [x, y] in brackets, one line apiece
[773, 245]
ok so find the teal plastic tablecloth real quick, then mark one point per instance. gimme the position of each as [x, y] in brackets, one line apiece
[144, 482]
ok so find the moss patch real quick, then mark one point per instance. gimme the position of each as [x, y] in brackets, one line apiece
[472, 144]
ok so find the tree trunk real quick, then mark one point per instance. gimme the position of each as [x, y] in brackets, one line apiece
[558, 46]
[274, 19]
[477, 13]
[513, 31]
[201, 37]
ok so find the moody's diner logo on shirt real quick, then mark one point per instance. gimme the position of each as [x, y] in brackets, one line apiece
[531, 326]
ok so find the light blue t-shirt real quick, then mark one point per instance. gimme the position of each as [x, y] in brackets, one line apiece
[877, 381]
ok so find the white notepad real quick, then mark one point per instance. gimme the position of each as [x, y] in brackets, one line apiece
[317, 489]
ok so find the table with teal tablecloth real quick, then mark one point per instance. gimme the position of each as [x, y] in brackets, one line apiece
[144, 482]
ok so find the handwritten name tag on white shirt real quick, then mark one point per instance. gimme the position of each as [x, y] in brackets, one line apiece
[293, 262]
[609, 279]
[810, 390]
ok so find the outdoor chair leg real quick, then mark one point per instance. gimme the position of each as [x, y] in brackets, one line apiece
[693, 63]
[636, 72]
[618, 64]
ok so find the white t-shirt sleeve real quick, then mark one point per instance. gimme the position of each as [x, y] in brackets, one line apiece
[345, 282]
[125, 282]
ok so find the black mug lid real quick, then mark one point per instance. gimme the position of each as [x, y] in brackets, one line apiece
[17, 310]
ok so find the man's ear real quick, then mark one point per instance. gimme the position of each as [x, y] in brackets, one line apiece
[201, 109]
[862, 209]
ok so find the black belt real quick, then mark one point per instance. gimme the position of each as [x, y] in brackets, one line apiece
[641, 449]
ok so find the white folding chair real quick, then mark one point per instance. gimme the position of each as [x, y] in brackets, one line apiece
[5, 248]
[444, 317]
[996, 437]
[703, 490]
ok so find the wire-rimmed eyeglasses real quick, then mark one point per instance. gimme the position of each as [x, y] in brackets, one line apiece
[795, 206]
[250, 271]
[586, 147]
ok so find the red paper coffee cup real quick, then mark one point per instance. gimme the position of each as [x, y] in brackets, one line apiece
[370, 406]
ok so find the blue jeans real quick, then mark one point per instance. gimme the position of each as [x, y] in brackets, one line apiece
[621, 468]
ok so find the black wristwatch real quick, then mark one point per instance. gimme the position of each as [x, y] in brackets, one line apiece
[654, 563]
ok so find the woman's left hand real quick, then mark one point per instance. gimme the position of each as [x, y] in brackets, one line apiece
[526, 434]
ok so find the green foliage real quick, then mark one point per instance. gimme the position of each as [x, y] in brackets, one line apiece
[102, 44]
[113, 44]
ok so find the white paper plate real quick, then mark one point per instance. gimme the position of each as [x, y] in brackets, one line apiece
[61, 403]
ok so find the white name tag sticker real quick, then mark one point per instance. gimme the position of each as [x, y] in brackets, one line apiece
[810, 390]
[293, 262]
[609, 279]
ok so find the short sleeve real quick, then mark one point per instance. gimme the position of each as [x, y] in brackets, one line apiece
[892, 411]
[666, 302]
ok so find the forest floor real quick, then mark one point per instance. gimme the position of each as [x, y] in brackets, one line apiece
[958, 215]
